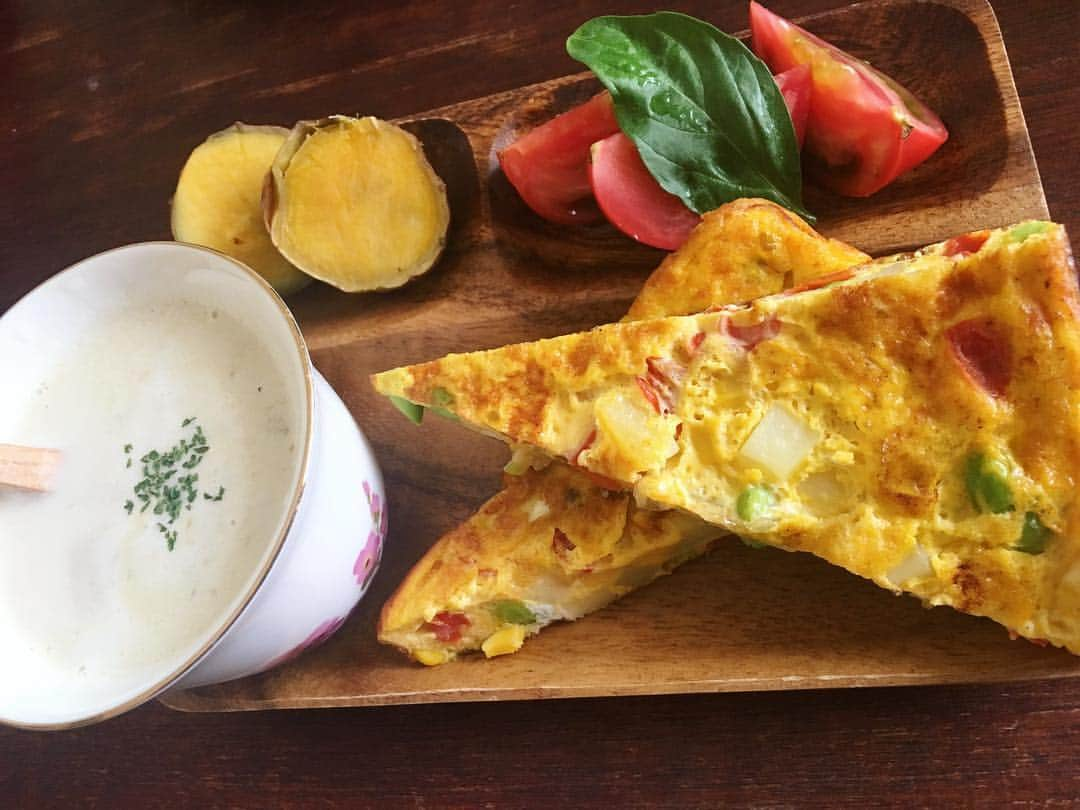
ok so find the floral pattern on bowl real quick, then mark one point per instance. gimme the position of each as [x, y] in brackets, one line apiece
[368, 560]
[317, 637]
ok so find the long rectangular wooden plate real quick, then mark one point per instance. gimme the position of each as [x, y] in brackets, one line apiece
[738, 619]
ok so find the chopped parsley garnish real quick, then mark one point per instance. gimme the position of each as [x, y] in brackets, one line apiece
[163, 489]
[170, 535]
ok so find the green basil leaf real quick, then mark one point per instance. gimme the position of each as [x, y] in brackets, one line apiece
[705, 113]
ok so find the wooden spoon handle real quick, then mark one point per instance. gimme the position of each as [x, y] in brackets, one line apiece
[27, 467]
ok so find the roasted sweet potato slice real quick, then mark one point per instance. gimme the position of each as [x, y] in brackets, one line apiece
[217, 201]
[355, 203]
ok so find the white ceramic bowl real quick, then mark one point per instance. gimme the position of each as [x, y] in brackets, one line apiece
[308, 573]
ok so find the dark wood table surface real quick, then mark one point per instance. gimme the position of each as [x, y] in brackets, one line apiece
[99, 104]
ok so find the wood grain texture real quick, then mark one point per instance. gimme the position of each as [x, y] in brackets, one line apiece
[29, 468]
[87, 169]
[736, 620]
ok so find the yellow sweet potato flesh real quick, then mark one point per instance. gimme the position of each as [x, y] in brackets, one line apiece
[355, 203]
[218, 201]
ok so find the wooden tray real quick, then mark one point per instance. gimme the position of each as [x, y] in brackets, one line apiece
[738, 619]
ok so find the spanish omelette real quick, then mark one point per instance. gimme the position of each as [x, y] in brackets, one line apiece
[512, 569]
[915, 423]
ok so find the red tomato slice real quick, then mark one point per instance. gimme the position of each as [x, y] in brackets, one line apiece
[966, 243]
[983, 353]
[561, 544]
[751, 335]
[820, 281]
[600, 480]
[549, 166]
[638, 206]
[795, 87]
[631, 198]
[447, 626]
[863, 129]
[660, 383]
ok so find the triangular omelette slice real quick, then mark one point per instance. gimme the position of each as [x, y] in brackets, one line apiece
[916, 424]
[552, 545]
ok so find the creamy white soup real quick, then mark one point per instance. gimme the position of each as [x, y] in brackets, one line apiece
[120, 573]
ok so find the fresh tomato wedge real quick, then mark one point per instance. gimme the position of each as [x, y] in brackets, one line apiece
[863, 129]
[549, 166]
[631, 198]
[638, 206]
[795, 87]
